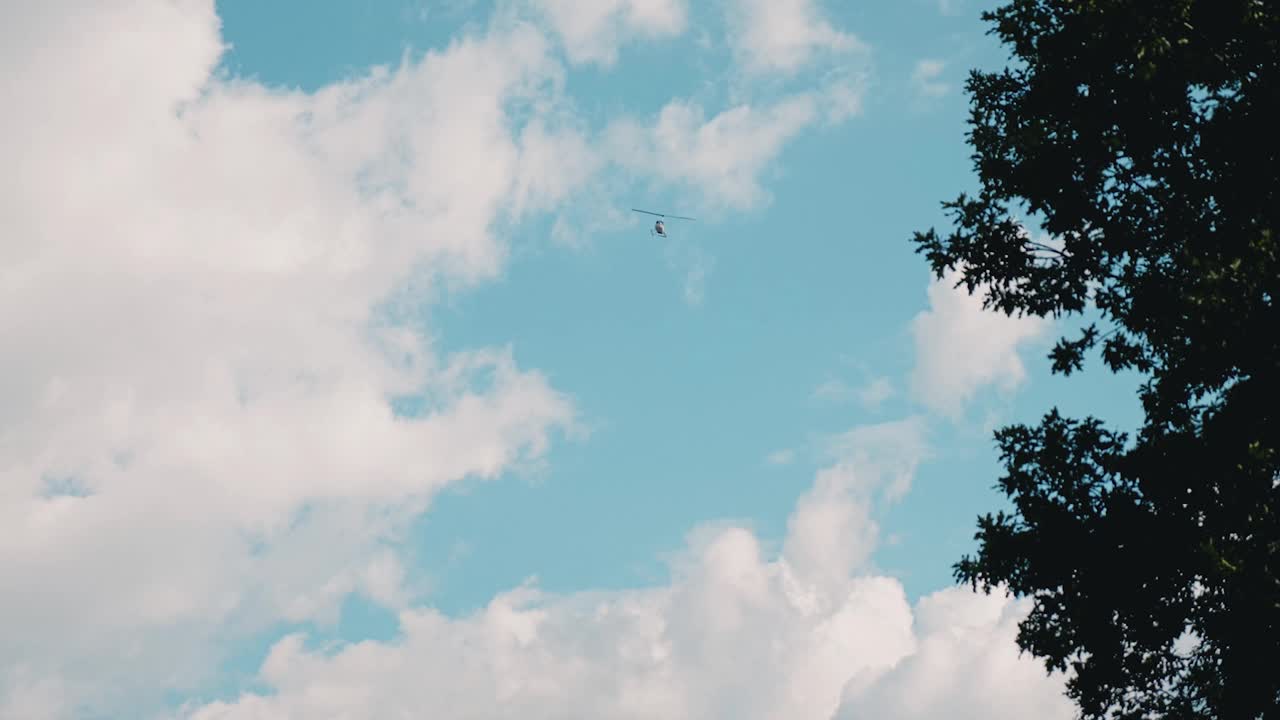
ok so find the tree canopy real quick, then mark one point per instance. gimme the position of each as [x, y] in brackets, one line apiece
[1142, 135]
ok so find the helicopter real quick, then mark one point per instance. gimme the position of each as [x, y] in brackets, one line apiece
[659, 228]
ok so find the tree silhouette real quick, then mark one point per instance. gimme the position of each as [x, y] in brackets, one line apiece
[1143, 135]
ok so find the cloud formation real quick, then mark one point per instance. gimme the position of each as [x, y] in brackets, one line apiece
[960, 348]
[722, 157]
[592, 32]
[784, 36]
[215, 286]
[966, 664]
[203, 276]
[808, 633]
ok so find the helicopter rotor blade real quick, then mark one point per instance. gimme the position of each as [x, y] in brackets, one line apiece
[672, 217]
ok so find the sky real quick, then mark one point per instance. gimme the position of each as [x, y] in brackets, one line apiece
[340, 380]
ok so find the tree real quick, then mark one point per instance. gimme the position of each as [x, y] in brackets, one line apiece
[1142, 135]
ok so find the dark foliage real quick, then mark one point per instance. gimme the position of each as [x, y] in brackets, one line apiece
[1145, 134]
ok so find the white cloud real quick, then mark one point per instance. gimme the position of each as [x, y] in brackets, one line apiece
[966, 664]
[194, 275]
[721, 157]
[961, 348]
[736, 633]
[924, 78]
[895, 449]
[565, 149]
[784, 36]
[593, 31]
[205, 278]
[25, 694]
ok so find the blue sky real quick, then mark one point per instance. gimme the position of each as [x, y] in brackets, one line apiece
[583, 406]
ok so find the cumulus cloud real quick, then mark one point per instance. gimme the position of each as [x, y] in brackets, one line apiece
[784, 36]
[718, 161]
[213, 288]
[721, 157]
[201, 277]
[724, 153]
[26, 694]
[593, 31]
[740, 632]
[212, 284]
[894, 448]
[966, 665]
[960, 348]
